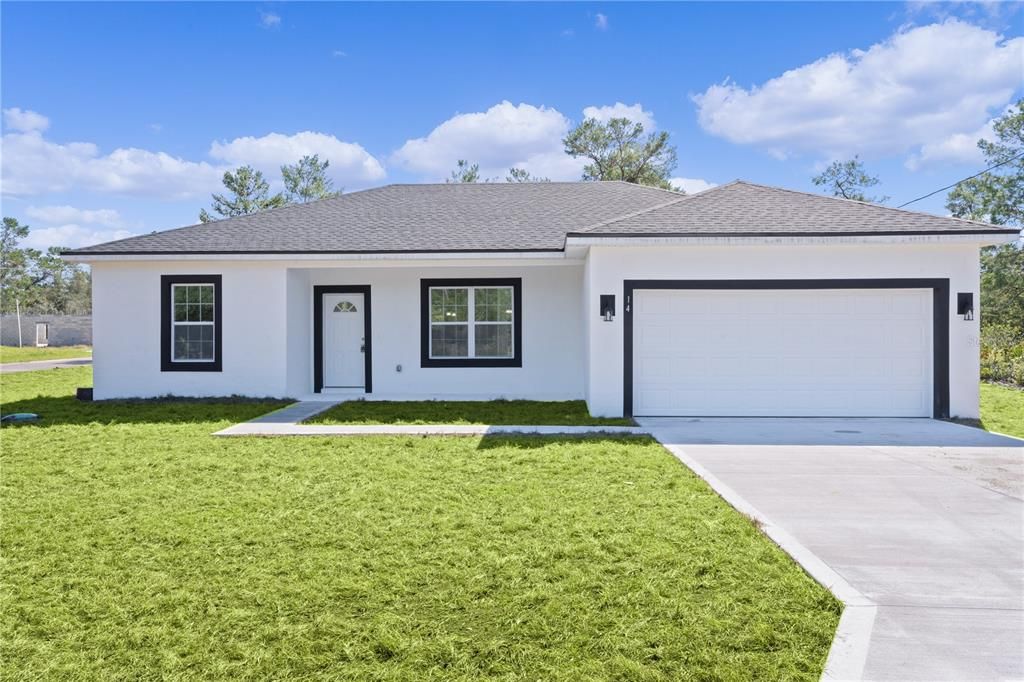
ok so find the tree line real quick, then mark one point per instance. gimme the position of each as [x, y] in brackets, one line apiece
[249, 192]
[38, 281]
[617, 149]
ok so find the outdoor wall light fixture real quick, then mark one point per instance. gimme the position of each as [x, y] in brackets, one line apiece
[965, 305]
[608, 307]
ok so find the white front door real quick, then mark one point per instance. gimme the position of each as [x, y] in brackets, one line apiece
[344, 344]
[778, 353]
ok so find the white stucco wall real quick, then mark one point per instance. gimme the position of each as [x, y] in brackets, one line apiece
[609, 266]
[126, 331]
[267, 329]
[568, 351]
[552, 332]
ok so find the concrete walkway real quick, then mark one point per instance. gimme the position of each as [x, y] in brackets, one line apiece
[36, 365]
[287, 422]
[923, 519]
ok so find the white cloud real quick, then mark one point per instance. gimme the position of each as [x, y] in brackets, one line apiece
[601, 22]
[504, 136]
[31, 164]
[633, 112]
[350, 163]
[24, 120]
[339, 53]
[71, 236]
[69, 214]
[155, 127]
[270, 20]
[34, 165]
[919, 87]
[691, 185]
[956, 148]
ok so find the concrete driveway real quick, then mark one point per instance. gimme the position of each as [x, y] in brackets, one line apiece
[924, 518]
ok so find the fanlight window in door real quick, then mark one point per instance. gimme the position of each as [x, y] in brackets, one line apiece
[346, 307]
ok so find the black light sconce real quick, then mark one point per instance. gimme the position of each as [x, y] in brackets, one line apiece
[965, 305]
[608, 307]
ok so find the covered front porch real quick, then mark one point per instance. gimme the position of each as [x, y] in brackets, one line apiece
[368, 329]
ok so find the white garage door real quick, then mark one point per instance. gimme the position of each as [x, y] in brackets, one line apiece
[851, 352]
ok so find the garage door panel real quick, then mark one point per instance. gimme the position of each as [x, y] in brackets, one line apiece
[782, 353]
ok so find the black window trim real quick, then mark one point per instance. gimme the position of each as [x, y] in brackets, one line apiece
[167, 363]
[940, 319]
[517, 322]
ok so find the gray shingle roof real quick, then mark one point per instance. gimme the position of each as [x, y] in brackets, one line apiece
[527, 217]
[397, 218]
[745, 208]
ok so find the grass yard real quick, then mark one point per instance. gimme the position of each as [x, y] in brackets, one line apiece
[1002, 409]
[136, 546]
[522, 412]
[28, 353]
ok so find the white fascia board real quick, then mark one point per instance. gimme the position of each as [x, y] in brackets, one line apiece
[328, 258]
[980, 239]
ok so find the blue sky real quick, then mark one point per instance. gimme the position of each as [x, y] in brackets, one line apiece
[120, 118]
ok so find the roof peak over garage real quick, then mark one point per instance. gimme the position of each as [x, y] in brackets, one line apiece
[527, 217]
[742, 208]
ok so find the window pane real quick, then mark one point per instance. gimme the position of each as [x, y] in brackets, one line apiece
[437, 305]
[193, 342]
[180, 342]
[206, 294]
[180, 312]
[449, 305]
[180, 295]
[449, 340]
[206, 312]
[493, 305]
[493, 340]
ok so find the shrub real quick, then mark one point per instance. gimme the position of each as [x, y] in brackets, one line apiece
[1002, 354]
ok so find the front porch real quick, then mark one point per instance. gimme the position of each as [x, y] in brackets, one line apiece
[367, 330]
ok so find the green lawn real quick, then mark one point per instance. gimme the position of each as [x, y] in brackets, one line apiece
[27, 353]
[1002, 409]
[136, 546]
[532, 412]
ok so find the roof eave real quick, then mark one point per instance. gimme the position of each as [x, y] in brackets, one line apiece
[517, 254]
[981, 237]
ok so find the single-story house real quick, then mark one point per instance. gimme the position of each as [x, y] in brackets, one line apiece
[742, 300]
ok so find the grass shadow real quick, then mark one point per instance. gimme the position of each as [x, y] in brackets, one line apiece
[67, 410]
[522, 441]
[497, 412]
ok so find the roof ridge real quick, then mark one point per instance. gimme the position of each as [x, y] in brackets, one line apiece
[678, 199]
[261, 212]
[869, 204]
[514, 184]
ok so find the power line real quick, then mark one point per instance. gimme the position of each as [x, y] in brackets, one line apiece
[943, 189]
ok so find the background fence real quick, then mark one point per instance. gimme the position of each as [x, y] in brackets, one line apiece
[61, 330]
